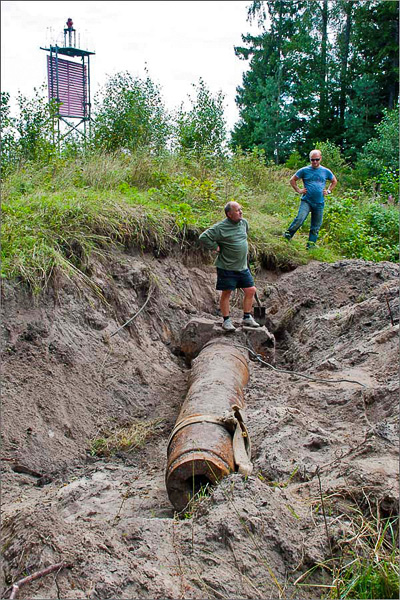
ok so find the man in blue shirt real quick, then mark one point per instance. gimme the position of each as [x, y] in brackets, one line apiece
[312, 196]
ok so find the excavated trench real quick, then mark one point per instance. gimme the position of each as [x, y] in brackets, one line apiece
[67, 379]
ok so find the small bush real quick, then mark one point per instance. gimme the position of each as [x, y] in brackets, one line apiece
[250, 167]
[383, 150]
[333, 159]
[361, 228]
[387, 184]
[295, 161]
[130, 114]
[202, 129]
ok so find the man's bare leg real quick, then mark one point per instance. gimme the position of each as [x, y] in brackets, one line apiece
[248, 299]
[224, 302]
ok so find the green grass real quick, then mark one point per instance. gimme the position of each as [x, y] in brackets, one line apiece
[363, 579]
[370, 566]
[55, 217]
[45, 232]
[196, 500]
[369, 563]
[365, 556]
[123, 439]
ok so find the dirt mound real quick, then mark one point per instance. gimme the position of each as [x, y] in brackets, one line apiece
[70, 371]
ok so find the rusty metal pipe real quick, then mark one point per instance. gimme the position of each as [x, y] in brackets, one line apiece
[200, 446]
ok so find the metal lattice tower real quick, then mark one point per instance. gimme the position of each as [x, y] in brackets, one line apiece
[69, 83]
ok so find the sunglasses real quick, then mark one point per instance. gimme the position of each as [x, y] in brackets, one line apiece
[315, 159]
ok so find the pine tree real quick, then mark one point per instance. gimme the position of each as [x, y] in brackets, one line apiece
[319, 70]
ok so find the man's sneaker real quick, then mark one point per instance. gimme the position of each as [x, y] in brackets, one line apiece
[250, 322]
[287, 236]
[228, 325]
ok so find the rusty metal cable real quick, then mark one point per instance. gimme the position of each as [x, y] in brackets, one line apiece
[258, 357]
[136, 314]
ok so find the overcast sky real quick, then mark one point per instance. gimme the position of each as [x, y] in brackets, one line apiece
[179, 41]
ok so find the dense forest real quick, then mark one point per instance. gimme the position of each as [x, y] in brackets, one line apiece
[318, 70]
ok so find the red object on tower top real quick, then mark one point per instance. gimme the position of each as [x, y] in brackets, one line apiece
[69, 23]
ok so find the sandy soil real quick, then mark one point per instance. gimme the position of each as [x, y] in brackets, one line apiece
[67, 375]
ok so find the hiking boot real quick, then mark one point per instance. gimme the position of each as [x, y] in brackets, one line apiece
[287, 236]
[250, 322]
[228, 325]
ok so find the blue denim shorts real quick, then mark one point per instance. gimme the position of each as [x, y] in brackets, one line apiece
[230, 280]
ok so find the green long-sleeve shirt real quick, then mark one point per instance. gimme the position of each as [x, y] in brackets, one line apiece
[232, 241]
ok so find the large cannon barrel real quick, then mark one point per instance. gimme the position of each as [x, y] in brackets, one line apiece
[200, 448]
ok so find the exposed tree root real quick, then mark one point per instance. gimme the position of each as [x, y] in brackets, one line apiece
[16, 586]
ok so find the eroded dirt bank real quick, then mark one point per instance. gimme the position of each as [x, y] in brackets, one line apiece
[66, 377]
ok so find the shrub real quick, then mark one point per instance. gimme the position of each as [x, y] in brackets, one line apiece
[295, 161]
[386, 184]
[361, 228]
[382, 151]
[129, 114]
[28, 137]
[251, 167]
[202, 129]
[333, 159]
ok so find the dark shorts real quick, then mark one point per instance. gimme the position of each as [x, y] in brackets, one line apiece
[230, 280]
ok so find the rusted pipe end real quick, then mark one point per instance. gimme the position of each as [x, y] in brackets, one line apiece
[198, 454]
[190, 472]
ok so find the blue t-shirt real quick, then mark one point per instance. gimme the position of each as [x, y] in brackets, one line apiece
[314, 181]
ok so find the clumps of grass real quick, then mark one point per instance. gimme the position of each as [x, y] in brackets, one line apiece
[369, 563]
[98, 172]
[363, 579]
[364, 563]
[124, 439]
[198, 498]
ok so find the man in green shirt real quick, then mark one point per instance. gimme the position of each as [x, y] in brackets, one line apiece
[229, 238]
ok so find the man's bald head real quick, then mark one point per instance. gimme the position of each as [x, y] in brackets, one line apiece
[234, 211]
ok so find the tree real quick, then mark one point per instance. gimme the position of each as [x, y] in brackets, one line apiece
[317, 86]
[382, 151]
[284, 73]
[376, 40]
[344, 45]
[8, 141]
[264, 123]
[130, 114]
[29, 136]
[363, 107]
[34, 125]
[202, 129]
